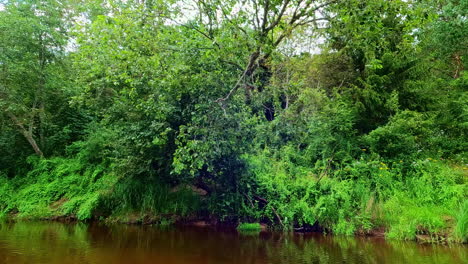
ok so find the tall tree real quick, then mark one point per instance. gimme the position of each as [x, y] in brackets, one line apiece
[259, 26]
[32, 44]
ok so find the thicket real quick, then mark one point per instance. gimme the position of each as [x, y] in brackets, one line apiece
[121, 109]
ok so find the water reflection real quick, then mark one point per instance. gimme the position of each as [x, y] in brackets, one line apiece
[43, 242]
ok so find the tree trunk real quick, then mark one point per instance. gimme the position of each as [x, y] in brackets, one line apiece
[33, 143]
[27, 134]
[458, 65]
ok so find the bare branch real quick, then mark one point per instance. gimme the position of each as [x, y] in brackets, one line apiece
[247, 72]
[232, 63]
[232, 23]
[278, 18]
[303, 14]
[257, 19]
[26, 133]
[266, 8]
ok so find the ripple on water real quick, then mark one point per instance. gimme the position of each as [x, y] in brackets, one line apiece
[45, 242]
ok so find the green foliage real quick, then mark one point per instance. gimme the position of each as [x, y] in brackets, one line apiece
[57, 186]
[404, 135]
[151, 197]
[407, 198]
[60, 187]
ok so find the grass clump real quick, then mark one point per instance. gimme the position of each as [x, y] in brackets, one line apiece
[249, 226]
[461, 227]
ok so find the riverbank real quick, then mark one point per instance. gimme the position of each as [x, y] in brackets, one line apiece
[423, 236]
[423, 200]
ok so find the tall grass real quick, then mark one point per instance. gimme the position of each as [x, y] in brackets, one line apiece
[65, 186]
[461, 227]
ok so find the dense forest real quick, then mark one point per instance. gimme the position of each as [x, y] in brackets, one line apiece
[346, 116]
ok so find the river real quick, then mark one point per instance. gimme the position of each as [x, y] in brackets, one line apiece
[52, 242]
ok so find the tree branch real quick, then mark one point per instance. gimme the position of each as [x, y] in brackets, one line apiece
[247, 72]
[278, 19]
[27, 134]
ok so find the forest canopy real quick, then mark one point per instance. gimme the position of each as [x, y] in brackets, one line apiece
[344, 114]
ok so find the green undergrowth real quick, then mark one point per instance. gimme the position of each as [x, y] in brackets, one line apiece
[59, 187]
[150, 201]
[406, 199]
[56, 187]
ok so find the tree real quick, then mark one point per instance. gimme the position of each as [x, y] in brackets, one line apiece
[32, 45]
[259, 26]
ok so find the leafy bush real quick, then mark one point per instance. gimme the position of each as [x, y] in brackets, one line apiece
[404, 135]
[408, 199]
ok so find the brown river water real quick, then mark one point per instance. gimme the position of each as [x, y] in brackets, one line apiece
[51, 242]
